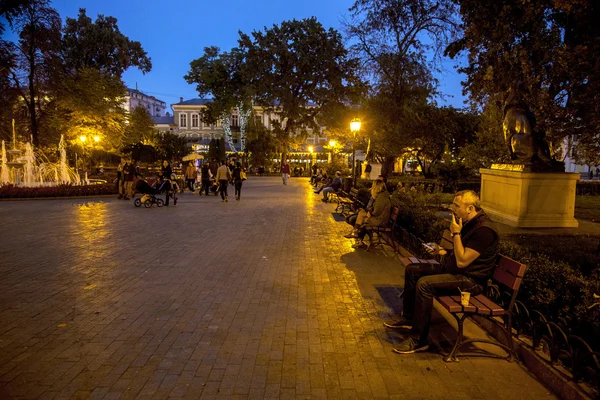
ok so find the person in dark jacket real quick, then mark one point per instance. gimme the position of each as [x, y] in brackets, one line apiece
[165, 175]
[467, 267]
[205, 175]
[238, 177]
[334, 186]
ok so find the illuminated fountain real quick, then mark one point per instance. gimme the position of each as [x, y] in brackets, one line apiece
[23, 168]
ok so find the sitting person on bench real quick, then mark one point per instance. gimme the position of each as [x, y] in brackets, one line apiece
[378, 216]
[467, 267]
[322, 182]
[334, 186]
[361, 214]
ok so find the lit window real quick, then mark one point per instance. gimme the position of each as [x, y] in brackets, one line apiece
[235, 120]
[194, 120]
[183, 120]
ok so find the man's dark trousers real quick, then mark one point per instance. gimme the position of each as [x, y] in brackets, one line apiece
[424, 281]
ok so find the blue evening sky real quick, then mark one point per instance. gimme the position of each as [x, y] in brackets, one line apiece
[176, 32]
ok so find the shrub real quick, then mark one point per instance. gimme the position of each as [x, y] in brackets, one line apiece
[560, 292]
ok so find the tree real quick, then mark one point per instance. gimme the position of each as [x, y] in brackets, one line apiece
[222, 75]
[88, 87]
[171, 147]
[100, 45]
[392, 38]
[549, 47]
[261, 144]
[298, 71]
[140, 127]
[38, 26]
[488, 146]
[88, 102]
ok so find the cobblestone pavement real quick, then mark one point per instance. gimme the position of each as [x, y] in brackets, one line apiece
[261, 298]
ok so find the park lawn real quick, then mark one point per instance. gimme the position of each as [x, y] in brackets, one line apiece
[588, 208]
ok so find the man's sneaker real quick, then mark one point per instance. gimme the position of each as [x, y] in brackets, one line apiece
[410, 345]
[401, 323]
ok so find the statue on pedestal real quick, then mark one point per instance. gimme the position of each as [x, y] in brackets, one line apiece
[527, 146]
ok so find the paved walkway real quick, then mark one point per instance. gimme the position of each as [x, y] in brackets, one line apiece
[261, 298]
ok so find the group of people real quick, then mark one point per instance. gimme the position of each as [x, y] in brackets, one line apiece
[467, 263]
[235, 176]
[127, 172]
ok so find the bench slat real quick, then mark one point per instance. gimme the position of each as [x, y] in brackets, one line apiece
[507, 279]
[452, 304]
[488, 307]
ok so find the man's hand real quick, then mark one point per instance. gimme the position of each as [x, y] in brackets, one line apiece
[434, 248]
[455, 226]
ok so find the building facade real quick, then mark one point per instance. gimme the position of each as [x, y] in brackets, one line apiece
[135, 98]
[187, 122]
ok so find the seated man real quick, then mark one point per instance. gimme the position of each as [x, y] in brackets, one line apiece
[378, 215]
[467, 267]
[334, 186]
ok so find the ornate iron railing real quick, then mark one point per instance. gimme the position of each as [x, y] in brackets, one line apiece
[569, 354]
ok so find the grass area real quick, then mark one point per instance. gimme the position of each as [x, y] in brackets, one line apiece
[588, 208]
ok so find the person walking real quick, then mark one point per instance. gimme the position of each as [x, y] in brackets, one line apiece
[223, 176]
[190, 176]
[285, 171]
[205, 176]
[239, 175]
[368, 169]
[121, 179]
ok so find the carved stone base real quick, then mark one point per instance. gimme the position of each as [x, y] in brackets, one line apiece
[529, 199]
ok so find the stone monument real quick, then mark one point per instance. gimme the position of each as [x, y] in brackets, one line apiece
[533, 191]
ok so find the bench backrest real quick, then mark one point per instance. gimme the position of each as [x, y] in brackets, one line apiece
[354, 193]
[509, 272]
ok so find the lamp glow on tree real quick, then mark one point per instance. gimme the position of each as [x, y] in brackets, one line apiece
[354, 128]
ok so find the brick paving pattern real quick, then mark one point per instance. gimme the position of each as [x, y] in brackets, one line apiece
[256, 299]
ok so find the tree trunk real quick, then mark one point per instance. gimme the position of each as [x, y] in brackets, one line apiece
[388, 166]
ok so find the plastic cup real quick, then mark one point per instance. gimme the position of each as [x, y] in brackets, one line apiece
[465, 297]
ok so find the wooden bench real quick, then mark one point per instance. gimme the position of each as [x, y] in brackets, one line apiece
[346, 201]
[508, 274]
[377, 233]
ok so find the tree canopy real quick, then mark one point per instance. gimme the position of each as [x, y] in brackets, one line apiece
[393, 38]
[298, 70]
[550, 47]
[100, 45]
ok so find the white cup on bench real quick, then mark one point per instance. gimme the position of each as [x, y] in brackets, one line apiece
[465, 298]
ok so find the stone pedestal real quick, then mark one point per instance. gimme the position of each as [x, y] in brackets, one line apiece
[529, 199]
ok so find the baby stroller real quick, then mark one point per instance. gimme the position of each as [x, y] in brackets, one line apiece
[150, 192]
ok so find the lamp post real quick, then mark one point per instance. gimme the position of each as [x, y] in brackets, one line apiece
[331, 146]
[310, 163]
[354, 128]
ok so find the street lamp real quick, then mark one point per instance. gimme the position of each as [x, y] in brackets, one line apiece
[331, 146]
[354, 128]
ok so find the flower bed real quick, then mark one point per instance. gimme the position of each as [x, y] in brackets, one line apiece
[17, 192]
